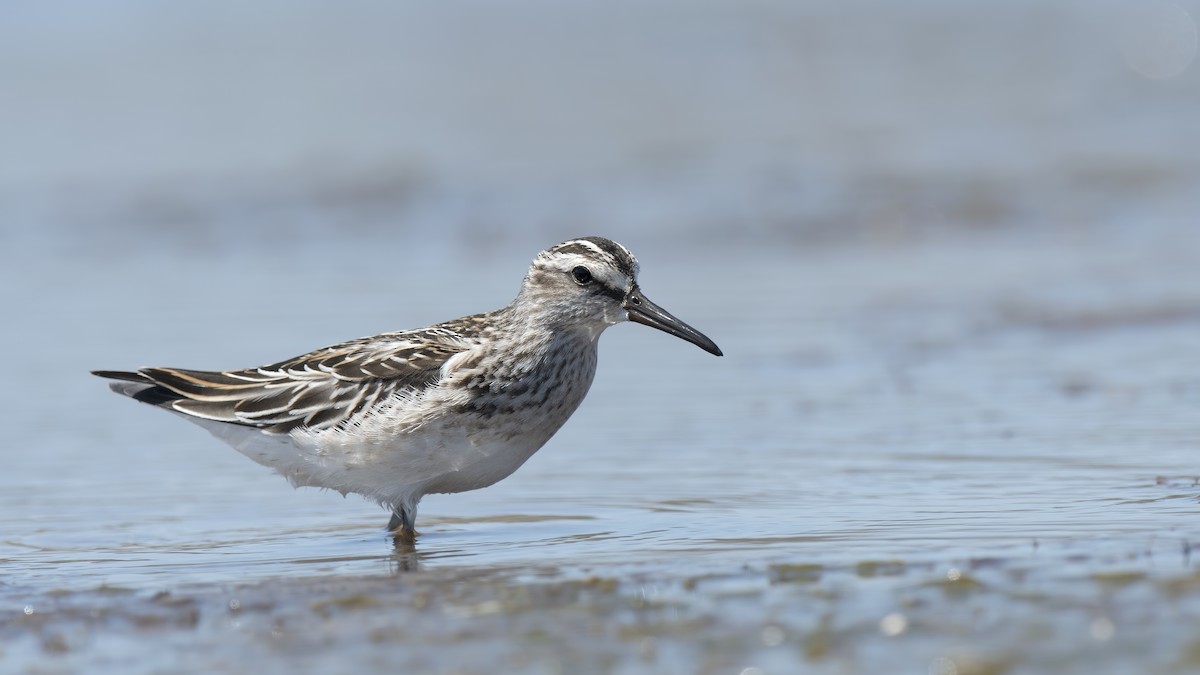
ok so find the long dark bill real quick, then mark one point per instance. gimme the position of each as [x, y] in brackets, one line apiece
[642, 311]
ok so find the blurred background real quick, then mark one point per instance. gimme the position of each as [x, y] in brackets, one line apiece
[219, 127]
[949, 249]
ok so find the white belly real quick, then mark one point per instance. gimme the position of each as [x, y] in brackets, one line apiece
[414, 446]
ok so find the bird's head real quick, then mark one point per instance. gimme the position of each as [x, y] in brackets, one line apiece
[592, 282]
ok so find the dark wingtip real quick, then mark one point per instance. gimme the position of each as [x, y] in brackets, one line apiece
[143, 388]
[125, 375]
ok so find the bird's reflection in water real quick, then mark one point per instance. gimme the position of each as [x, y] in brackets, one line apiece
[405, 556]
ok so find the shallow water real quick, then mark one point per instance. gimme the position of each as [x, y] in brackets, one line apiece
[871, 429]
[954, 430]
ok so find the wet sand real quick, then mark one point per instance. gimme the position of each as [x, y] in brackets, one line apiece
[1053, 611]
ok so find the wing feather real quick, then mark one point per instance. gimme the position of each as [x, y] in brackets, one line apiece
[316, 390]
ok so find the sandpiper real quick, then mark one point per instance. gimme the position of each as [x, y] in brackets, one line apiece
[452, 407]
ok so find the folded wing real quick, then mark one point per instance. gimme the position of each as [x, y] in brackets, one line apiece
[317, 390]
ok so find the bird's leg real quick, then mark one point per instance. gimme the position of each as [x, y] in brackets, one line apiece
[402, 523]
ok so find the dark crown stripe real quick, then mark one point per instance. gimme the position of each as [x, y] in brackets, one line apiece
[619, 254]
[574, 248]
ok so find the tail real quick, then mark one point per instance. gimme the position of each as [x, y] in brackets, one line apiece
[138, 387]
[273, 450]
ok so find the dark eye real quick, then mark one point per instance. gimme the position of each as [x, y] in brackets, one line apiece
[582, 275]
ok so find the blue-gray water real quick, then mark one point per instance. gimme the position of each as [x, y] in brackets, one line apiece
[950, 255]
